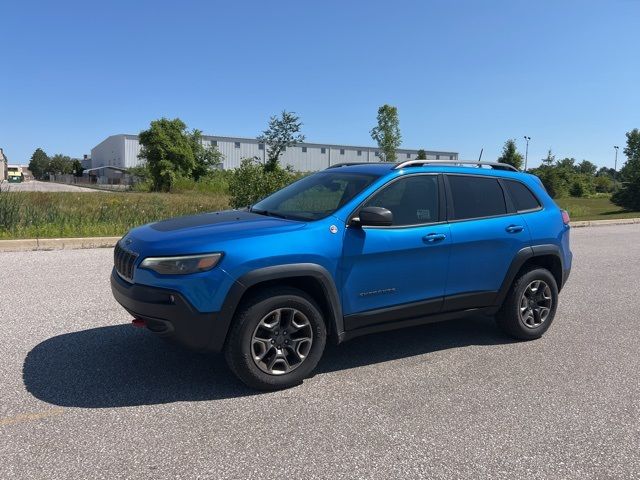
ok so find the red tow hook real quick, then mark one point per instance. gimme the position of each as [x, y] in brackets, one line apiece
[138, 322]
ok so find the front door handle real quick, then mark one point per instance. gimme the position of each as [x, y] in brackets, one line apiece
[434, 237]
[514, 228]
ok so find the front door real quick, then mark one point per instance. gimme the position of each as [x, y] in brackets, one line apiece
[397, 272]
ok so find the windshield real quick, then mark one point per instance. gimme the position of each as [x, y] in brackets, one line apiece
[315, 196]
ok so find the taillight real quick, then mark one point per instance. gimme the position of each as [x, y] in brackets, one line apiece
[565, 217]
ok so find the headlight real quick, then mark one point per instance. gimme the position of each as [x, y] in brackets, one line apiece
[182, 265]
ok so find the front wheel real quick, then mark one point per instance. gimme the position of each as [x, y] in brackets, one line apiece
[276, 340]
[530, 306]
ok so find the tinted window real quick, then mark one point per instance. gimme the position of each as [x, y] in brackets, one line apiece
[315, 196]
[412, 200]
[475, 197]
[522, 197]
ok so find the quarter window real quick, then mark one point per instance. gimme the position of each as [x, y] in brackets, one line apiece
[522, 197]
[412, 200]
[476, 197]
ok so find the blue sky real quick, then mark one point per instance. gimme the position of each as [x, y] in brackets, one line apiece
[463, 74]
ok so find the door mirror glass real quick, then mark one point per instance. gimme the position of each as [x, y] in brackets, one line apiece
[374, 217]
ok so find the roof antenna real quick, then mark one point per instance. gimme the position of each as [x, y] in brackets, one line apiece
[480, 157]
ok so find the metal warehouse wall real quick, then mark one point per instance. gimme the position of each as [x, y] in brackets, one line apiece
[122, 151]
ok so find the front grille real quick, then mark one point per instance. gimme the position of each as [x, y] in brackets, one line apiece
[124, 261]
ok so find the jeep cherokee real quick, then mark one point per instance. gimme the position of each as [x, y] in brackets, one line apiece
[350, 250]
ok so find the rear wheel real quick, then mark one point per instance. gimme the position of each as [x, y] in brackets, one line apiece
[276, 340]
[530, 306]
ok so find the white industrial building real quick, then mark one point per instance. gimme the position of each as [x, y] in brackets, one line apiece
[122, 151]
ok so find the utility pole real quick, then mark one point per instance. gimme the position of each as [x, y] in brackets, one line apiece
[615, 166]
[526, 153]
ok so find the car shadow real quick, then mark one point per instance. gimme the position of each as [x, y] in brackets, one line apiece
[121, 366]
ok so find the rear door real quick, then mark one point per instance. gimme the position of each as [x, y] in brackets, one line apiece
[486, 235]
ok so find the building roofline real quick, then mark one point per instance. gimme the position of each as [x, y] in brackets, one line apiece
[299, 144]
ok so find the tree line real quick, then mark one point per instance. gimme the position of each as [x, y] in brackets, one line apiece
[41, 165]
[568, 177]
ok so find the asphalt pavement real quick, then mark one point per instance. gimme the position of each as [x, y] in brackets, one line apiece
[83, 394]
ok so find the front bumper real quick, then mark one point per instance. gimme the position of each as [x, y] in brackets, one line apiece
[169, 314]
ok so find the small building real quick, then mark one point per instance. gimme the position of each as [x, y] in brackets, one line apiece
[122, 151]
[108, 175]
[3, 166]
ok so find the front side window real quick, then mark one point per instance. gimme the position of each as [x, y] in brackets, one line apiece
[412, 200]
[476, 197]
[315, 196]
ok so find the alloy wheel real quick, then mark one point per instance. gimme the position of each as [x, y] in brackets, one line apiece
[535, 304]
[282, 341]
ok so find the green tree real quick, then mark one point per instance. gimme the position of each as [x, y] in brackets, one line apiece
[171, 151]
[60, 165]
[510, 154]
[628, 196]
[588, 168]
[39, 163]
[422, 155]
[549, 160]
[252, 181]
[568, 164]
[206, 158]
[603, 183]
[606, 172]
[76, 167]
[387, 132]
[282, 132]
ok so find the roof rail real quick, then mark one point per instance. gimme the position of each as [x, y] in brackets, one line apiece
[347, 164]
[425, 163]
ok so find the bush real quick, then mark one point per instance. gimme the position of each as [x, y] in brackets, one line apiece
[628, 196]
[214, 182]
[577, 189]
[252, 182]
[603, 184]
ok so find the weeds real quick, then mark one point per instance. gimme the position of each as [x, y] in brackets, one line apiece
[47, 215]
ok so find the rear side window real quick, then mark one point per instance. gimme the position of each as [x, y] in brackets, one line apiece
[475, 197]
[413, 200]
[522, 197]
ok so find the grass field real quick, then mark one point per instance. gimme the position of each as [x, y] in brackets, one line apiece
[593, 209]
[51, 215]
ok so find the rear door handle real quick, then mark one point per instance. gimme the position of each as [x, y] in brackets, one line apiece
[434, 237]
[514, 228]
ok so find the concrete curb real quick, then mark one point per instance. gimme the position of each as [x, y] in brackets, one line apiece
[600, 223]
[109, 242]
[57, 244]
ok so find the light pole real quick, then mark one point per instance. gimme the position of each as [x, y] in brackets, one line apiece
[526, 152]
[615, 166]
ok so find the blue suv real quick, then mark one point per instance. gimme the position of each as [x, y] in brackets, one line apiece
[353, 249]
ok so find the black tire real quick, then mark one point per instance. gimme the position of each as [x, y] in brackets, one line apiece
[510, 319]
[239, 346]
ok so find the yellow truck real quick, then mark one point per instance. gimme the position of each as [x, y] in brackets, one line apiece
[14, 174]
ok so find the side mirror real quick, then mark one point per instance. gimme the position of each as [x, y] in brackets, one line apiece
[373, 217]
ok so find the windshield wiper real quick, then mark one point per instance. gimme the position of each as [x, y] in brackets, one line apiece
[268, 213]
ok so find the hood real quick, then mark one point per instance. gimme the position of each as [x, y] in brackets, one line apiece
[197, 233]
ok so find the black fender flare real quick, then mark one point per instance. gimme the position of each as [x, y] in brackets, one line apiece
[519, 260]
[286, 271]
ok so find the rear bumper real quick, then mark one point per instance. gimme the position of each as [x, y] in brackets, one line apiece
[169, 314]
